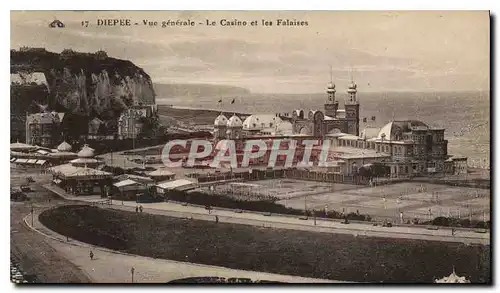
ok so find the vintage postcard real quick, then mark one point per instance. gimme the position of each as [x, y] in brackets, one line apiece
[250, 147]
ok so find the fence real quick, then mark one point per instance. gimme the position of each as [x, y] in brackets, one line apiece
[293, 173]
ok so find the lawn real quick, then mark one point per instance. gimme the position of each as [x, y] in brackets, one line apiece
[307, 254]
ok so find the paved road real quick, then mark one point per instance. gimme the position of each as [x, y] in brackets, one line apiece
[276, 221]
[35, 256]
[113, 267]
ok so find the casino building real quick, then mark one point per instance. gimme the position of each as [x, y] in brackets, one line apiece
[408, 148]
[333, 119]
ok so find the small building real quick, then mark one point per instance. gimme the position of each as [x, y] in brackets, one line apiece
[22, 147]
[179, 184]
[63, 154]
[161, 174]
[81, 180]
[43, 129]
[139, 179]
[130, 123]
[128, 189]
[85, 158]
[94, 126]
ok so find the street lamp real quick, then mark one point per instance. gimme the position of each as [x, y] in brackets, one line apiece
[32, 215]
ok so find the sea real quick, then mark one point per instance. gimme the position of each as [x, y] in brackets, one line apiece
[464, 115]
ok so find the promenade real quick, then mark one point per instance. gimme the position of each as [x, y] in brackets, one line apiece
[110, 266]
[468, 236]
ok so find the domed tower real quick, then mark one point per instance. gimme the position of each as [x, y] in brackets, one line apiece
[331, 105]
[352, 110]
[234, 127]
[220, 127]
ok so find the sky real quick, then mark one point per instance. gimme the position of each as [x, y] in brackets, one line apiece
[380, 51]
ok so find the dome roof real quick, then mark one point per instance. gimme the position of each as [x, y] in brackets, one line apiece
[221, 120]
[331, 85]
[353, 85]
[86, 152]
[261, 121]
[64, 147]
[369, 132]
[394, 129]
[234, 121]
[284, 128]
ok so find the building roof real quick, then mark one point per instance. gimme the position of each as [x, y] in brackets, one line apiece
[351, 137]
[43, 152]
[84, 161]
[18, 146]
[86, 152]
[221, 120]
[175, 184]
[126, 182]
[70, 171]
[27, 155]
[326, 118]
[62, 154]
[137, 178]
[160, 172]
[64, 147]
[234, 121]
[394, 129]
[353, 153]
[369, 132]
[261, 121]
[283, 128]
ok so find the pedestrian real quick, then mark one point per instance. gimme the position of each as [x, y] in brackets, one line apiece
[216, 219]
[140, 208]
[91, 254]
[67, 238]
[136, 209]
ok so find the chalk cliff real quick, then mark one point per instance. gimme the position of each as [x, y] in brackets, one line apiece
[86, 84]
